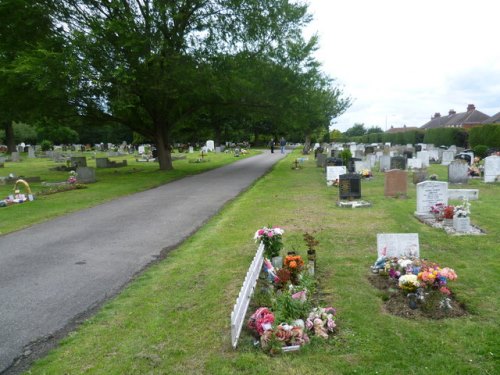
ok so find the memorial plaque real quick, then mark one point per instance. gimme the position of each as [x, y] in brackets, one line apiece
[398, 245]
[349, 186]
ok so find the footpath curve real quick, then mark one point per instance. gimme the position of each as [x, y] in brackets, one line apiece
[55, 272]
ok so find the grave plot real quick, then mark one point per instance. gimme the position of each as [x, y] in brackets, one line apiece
[283, 313]
[433, 209]
[411, 286]
[350, 191]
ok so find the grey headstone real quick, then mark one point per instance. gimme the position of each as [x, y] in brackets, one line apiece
[85, 175]
[398, 245]
[15, 157]
[447, 157]
[79, 161]
[385, 163]
[492, 168]
[458, 172]
[458, 194]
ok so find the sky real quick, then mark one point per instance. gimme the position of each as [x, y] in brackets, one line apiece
[401, 61]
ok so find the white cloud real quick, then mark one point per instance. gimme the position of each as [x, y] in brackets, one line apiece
[401, 61]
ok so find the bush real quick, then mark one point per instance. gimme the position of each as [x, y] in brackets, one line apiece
[481, 151]
[46, 145]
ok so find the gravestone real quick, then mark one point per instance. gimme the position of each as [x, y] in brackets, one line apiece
[385, 163]
[320, 160]
[2, 162]
[78, 161]
[419, 175]
[15, 156]
[458, 172]
[414, 163]
[459, 194]
[359, 165]
[31, 152]
[395, 183]
[85, 175]
[424, 156]
[398, 162]
[492, 168]
[351, 164]
[333, 173]
[408, 154]
[430, 193]
[369, 150]
[359, 154]
[372, 160]
[330, 162]
[467, 156]
[398, 245]
[210, 145]
[190, 149]
[448, 157]
[433, 155]
[349, 186]
[218, 150]
[106, 163]
[141, 150]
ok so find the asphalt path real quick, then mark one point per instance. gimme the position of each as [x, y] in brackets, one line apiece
[53, 273]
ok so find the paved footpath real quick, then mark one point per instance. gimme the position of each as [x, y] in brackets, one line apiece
[54, 272]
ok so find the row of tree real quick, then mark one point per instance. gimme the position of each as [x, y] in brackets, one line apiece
[167, 70]
[487, 135]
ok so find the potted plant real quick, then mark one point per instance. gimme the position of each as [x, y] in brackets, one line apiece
[311, 243]
[271, 237]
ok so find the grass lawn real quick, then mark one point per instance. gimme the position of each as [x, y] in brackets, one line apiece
[174, 318]
[111, 183]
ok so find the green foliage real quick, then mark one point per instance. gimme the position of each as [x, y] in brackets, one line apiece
[345, 155]
[356, 131]
[488, 135]
[58, 134]
[46, 145]
[288, 309]
[24, 133]
[446, 137]
[480, 151]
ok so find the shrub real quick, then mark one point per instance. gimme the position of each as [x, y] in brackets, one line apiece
[46, 145]
[481, 151]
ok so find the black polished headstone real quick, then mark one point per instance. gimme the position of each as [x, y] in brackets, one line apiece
[349, 186]
[351, 165]
[398, 162]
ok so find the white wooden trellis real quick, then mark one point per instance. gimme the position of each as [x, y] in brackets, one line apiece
[243, 300]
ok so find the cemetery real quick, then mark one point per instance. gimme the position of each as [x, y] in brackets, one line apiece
[348, 298]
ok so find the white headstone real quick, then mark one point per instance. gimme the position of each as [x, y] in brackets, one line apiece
[447, 157]
[359, 165]
[430, 193]
[333, 173]
[191, 149]
[433, 155]
[398, 245]
[372, 159]
[385, 163]
[414, 163]
[492, 168]
[210, 146]
[141, 150]
[31, 152]
[424, 156]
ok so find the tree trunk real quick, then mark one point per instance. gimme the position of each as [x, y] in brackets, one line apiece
[163, 148]
[9, 137]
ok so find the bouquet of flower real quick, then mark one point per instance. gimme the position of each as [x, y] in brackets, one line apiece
[448, 212]
[366, 173]
[464, 209]
[272, 240]
[294, 264]
[321, 321]
[72, 179]
[432, 276]
[437, 210]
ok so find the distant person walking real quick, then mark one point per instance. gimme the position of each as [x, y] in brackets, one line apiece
[282, 145]
[272, 145]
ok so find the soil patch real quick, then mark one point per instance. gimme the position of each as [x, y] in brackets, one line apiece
[396, 303]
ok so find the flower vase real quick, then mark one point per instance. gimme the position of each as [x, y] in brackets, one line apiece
[277, 262]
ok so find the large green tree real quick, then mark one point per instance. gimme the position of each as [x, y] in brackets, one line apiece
[32, 66]
[147, 64]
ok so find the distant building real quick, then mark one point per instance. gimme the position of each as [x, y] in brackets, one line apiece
[468, 119]
[401, 130]
[495, 119]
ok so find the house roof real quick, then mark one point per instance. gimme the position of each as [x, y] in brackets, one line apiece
[453, 119]
[401, 130]
[493, 119]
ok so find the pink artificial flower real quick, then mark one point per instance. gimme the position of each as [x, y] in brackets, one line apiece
[269, 234]
[330, 324]
[300, 295]
[445, 290]
[448, 273]
[261, 232]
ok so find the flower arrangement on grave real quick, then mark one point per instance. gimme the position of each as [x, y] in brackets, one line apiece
[366, 173]
[271, 237]
[433, 277]
[321, 321]
[437, 210]
[72, 179]
[294, 264]
[464, 209]
[448, 212]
